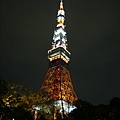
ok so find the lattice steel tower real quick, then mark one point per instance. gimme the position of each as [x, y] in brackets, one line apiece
[57, 85]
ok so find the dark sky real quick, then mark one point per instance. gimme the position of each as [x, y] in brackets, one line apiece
[93, 31]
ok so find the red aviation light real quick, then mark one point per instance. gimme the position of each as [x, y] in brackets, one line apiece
[58, 69]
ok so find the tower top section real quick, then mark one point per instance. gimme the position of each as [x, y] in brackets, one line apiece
[59, 49]
[61, 4]
[61, 16]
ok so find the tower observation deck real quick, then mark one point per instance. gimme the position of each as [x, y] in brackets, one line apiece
[57, 85]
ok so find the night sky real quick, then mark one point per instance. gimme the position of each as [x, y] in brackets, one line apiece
[93, 31]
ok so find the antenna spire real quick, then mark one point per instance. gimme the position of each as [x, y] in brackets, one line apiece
[61, 5]
[59, 36]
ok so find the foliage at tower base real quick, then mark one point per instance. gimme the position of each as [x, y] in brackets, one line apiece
[100, 112]
[17, 102]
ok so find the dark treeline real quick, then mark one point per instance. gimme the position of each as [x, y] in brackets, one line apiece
[16, 103]
[87, 111]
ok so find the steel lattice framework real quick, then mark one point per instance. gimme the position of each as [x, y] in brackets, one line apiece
[57, 85]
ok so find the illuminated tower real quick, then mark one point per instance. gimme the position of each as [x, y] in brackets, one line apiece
[57, 85]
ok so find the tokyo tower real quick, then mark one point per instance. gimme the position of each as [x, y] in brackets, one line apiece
[57, 85]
